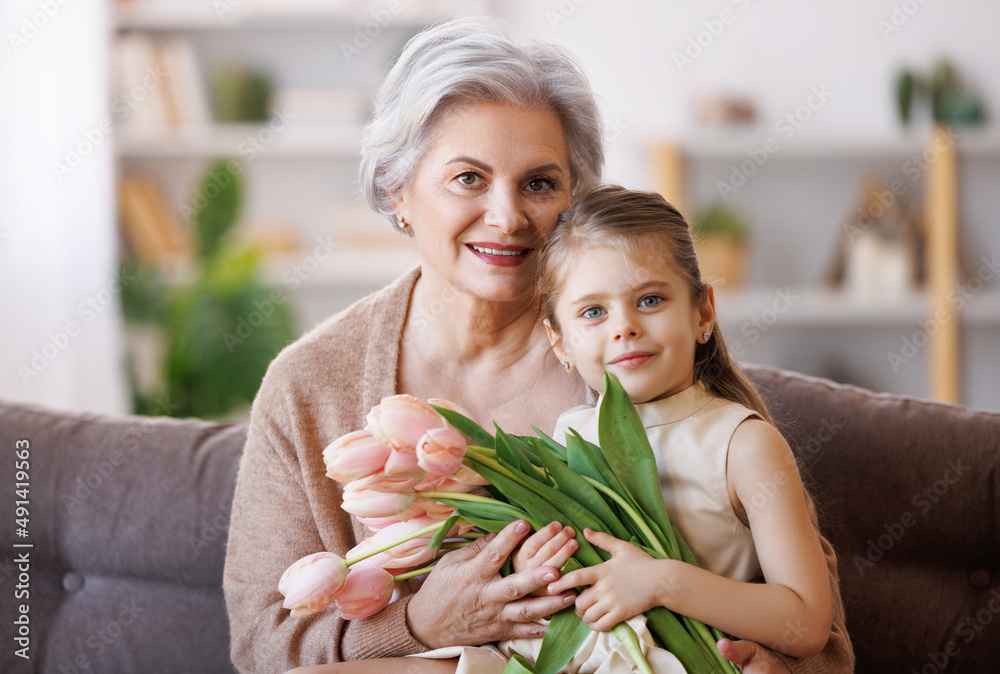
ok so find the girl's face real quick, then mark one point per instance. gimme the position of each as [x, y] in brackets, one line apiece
[636, 321]
[485, 195]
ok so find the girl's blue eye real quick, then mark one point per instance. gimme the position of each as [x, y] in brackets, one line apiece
[470, 179]
[541, 185]
[592, 312]
[650, 301]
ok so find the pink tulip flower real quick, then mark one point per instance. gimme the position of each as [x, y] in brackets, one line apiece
[312, 583]
[390, 483]
[411, 553]
[364, 502]
[449, 405]
[401, 420]
[355, 455]
[440, 451]
[367, 591]
[467, 475]
[403, 464]
[435, 510]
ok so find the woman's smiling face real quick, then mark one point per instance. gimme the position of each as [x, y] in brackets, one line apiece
[485, 195]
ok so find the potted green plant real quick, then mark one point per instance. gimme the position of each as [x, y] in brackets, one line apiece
[217, 331]
[720, 235]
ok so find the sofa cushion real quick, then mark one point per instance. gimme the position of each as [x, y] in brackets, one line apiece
[128, 520]
[908, 495]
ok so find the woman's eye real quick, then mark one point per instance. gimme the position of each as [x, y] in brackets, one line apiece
[592, 312]
[541, 185]
[470, 179]
[650, 301]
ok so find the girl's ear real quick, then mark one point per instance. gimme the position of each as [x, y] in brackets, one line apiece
[555, 340]
[706, 312]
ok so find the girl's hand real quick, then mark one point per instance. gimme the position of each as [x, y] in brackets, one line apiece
[466, 601]
[552, 545]
[626, 585]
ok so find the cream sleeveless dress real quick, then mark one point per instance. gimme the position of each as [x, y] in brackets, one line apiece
[689, 433]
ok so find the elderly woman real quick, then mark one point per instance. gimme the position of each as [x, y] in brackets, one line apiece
[477, 143]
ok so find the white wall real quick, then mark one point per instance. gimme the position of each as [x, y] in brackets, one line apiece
[60, 340]
[774, 51]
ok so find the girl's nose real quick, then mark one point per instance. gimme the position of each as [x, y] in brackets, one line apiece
[626, 327]
[506, 210]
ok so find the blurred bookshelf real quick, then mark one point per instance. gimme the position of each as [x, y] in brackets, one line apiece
[797, 198]
[176, 65]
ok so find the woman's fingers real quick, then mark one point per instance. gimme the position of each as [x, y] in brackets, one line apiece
[522, 616]
[489, 553]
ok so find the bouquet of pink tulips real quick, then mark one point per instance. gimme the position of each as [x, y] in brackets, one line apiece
[427, 479]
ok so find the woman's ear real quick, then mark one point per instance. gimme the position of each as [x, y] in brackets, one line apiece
[555, 340]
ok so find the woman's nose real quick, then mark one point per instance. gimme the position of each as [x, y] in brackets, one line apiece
[506, 210]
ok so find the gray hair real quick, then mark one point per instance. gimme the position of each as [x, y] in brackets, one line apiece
[473, 60]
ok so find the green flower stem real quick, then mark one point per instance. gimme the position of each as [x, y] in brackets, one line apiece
[628, 638]
[412, 574]
[639, 521]
[391, 544]
[458, 496]
[488, 461]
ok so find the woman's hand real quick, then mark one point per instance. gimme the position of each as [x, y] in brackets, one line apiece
[466, 601]
[626, 585]
[552, 545]
[751, 657]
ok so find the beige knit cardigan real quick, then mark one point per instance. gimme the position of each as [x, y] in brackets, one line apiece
[285, 507]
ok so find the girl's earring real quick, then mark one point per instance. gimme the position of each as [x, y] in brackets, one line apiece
[403, 225]
[706, 335]
[567, 365]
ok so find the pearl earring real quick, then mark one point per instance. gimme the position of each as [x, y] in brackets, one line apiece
[402, 225]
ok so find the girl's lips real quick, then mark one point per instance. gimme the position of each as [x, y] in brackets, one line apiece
[499, 254]
[632, 359]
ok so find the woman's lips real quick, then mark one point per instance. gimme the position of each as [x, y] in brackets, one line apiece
[499, 254]
[632, 359]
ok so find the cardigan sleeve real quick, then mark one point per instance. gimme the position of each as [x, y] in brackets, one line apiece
[279, 516]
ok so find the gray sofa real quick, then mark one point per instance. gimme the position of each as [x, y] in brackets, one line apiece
[127, 520]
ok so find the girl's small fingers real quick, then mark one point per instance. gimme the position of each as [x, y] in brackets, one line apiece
[602, 540]
[536, 541]
[562, 555]
[570, 580]
[556, 544]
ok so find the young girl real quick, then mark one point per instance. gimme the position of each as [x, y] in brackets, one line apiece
[621, 291]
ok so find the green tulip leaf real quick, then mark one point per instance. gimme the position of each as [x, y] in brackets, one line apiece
[627, 449]
[511, 454]
[466, 427]
[563, 637]
[541, 512]
[673, 636]
[572, 484]
[442, 533]
[518, 665]
[554, 445]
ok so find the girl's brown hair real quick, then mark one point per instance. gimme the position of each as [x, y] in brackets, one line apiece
[643, 226]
